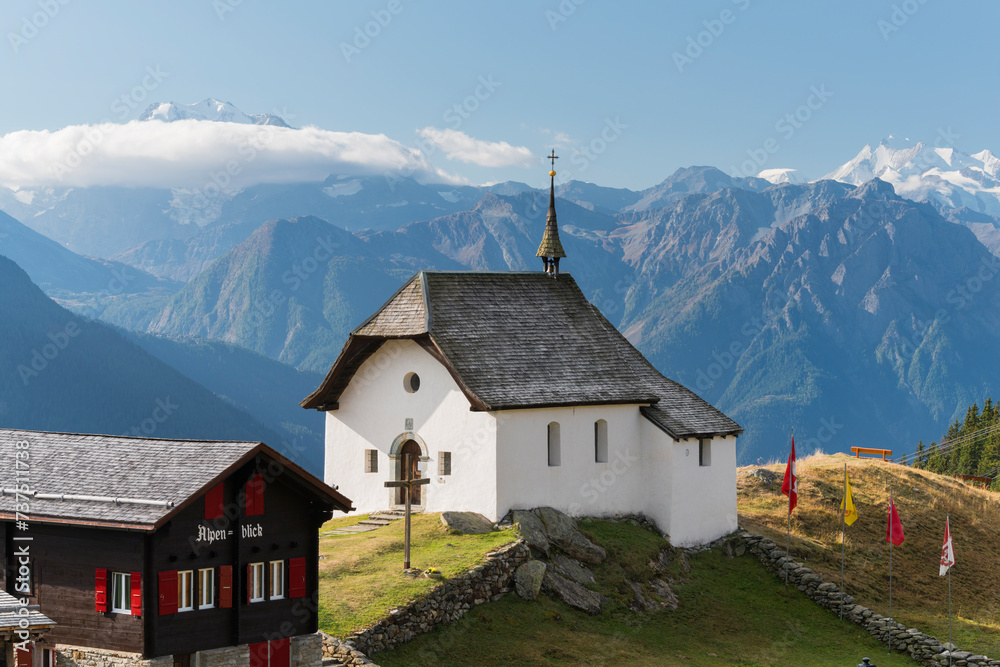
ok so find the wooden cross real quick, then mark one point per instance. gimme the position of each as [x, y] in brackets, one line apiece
[553, 157]
[407, 486]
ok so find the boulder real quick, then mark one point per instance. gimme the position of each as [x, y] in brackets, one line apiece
[665, 593]
[467, 523]
[531, 528]
[764, 475]
[574, 594]
[528, 579]
[572, 569]
[561, 531]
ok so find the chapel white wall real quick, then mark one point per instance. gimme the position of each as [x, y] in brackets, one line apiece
[579, 485]
[372, 415]
[703, 498]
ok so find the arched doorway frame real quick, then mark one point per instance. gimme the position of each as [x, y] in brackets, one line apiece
[396, 461]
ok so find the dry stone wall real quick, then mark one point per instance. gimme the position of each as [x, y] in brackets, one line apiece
[922, 648]
[444, 604]
[79, 656]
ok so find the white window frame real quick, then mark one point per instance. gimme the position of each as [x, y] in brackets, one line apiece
[276, 589]
[49, 657]
[206, 588]
[256, 582]
[121, 587]
[185, 590]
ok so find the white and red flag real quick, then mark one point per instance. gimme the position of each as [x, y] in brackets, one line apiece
[790, 487]
[947, 551]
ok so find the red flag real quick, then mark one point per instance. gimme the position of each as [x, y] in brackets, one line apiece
[790, 487]
[893, 526]
[947, 550]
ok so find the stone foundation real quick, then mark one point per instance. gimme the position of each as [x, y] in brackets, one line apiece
[79, 656]
[306, 651]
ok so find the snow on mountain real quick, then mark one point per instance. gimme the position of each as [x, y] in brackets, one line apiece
[784, 175]
[210, 109]
[921, 172]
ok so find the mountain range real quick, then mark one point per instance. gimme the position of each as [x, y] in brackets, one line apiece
[858, 309]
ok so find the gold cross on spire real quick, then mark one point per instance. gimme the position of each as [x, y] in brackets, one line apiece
[553, 157]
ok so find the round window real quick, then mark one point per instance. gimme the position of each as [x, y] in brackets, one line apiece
[411, 382]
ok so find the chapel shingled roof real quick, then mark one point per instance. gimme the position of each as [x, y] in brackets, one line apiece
[522, 340]
[141, 481]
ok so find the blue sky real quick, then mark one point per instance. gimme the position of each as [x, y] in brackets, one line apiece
[617, 88]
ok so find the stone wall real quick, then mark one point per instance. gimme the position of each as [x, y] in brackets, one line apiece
[307, 651]
[229, 656]
[444, 604]
[921, 647]
[79, 656]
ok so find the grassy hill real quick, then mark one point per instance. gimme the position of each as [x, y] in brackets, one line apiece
[920, 596]
[732, 611]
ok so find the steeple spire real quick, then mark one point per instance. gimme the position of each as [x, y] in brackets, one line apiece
[551, 250]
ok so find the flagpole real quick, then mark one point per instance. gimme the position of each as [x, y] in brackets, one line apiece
[890, 567]
[843, 543]
[947, 522]
[788, 526]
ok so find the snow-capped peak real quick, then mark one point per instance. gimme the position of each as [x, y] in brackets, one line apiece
[783, 175]
[210, 109]
[921, 172]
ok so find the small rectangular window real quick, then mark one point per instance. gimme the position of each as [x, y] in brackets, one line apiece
[444, 463]
[601, 441]
[185, 590]
[48, 657]
[277, 591]
[121, 592]
[705, 452]
[554, 444]
[371, 460]
[206, 588]
[256, 583]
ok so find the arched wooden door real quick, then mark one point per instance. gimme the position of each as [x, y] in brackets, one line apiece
[413, 472]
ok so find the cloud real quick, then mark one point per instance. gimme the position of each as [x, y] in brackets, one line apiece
[193, 154]
[460, 146]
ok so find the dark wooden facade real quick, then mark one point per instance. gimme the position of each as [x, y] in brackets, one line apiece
[68, 557]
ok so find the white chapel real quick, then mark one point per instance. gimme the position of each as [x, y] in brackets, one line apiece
[510, 390]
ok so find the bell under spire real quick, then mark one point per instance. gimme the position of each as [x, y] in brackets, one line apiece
[550, 249]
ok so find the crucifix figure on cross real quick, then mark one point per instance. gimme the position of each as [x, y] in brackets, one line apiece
[408, 486]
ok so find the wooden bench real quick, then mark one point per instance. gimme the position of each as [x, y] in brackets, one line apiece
[858, 451]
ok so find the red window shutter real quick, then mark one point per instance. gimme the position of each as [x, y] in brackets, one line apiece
[225, 586]
[24, 657]
[259, 491]
[281, 653]
[213, 502]
[168, 592]
[258, 655]
[296, 577]
[250, 504]
[136, 594]
[100, 591]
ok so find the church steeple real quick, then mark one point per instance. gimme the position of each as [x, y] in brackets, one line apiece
[551, 250]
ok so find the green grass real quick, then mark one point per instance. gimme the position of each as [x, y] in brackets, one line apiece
[732, 612]
[361, 577]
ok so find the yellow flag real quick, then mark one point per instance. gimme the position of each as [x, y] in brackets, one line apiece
[851, 514]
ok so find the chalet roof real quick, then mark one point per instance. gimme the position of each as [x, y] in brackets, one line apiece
[522, 340]
[124, 482]
[10, 619]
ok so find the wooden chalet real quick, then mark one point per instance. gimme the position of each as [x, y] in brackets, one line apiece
[163, 551]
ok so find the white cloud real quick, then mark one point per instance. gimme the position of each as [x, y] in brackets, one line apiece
[192, 154]
[460, 146]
